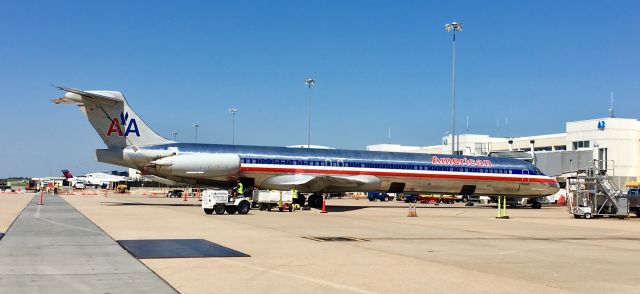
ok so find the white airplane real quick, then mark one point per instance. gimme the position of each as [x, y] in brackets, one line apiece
[132, 143]
[94, 179]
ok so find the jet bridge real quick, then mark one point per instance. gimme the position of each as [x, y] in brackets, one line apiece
[592, 193]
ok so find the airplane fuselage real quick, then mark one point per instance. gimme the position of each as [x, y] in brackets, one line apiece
[347, 170]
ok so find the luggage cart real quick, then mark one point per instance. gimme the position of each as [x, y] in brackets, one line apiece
[267, 200]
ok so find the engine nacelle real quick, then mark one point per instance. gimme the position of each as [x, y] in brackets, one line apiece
[199, 165]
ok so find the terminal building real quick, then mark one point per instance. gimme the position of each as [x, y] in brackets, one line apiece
[612, 144]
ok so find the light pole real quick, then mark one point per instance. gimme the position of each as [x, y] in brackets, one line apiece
[196, 126]
[309, 83]
[233, 112]
[175, 135]
[453, 27]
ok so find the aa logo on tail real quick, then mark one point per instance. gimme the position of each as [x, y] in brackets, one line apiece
[116, 123]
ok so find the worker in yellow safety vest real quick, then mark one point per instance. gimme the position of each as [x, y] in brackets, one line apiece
[294, 198]
[238, 190]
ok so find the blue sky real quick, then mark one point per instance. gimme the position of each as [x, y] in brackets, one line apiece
[378, 65]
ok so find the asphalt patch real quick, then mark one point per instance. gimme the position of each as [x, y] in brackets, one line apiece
[177, 248]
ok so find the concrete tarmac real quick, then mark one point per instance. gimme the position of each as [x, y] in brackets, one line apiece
[55, 249]
[446, 249]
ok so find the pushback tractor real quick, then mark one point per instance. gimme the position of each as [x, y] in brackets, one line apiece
[219, 201]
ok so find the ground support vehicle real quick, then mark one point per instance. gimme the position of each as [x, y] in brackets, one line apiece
[406, 197]
[5, 187]
[32, 186]
[447, 199]
[633, 194]
[378, 196]
[122, 188]
[333, 195]
[267, 200]
[175, 193]
[79, 185]
[219, 201]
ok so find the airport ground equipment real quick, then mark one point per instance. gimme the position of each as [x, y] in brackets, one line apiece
[219, 201]
[268, 199]
[379, 196]
[432, 198]
[633, 194]
[5, 186]
[32, 186]
[407, 198]
[592, 193]
[502, 208]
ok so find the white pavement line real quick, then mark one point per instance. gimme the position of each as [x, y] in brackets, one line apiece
[313, 280]
[37, 215]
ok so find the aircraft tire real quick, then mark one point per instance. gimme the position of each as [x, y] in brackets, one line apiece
[300, 200]
[315, 201]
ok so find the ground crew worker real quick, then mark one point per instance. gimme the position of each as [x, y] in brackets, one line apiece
[239, 189]
[294, 198]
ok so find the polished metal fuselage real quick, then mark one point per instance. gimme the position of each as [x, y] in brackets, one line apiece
[372, 171]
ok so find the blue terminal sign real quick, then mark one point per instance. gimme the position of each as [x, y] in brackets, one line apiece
[601, 125]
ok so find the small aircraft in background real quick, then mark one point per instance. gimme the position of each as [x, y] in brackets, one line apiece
[93, 179]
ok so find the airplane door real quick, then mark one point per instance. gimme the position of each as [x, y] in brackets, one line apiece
[525, 176]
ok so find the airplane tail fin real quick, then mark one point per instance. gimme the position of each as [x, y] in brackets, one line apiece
[67, 174]
[110, 115]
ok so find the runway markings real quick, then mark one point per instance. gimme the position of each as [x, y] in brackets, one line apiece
[300, 277]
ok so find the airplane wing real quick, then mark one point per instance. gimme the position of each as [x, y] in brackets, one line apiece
[320, 182]
[161, 180]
